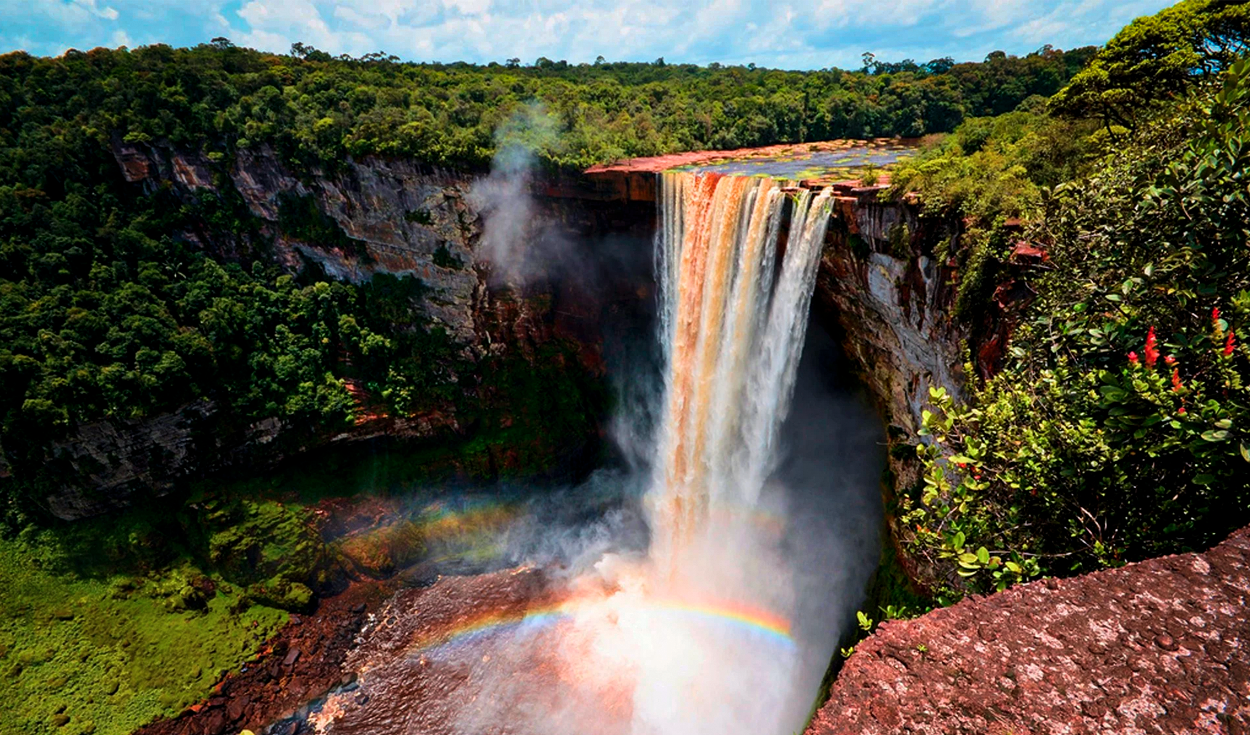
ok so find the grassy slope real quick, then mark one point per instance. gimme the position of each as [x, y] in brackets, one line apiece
[108, 656]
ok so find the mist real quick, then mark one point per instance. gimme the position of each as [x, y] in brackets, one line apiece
[616, 662]
[520, 244]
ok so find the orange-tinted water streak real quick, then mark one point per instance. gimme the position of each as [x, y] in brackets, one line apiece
[690, 284]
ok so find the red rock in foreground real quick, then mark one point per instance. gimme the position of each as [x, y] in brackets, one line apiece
[1160, 646]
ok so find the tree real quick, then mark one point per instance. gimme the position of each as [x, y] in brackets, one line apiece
[1155, 58]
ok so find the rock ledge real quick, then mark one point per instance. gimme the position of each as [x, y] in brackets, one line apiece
[1154, 647]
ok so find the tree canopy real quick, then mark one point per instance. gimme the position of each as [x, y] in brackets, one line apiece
[1156, 58]
[317, 109]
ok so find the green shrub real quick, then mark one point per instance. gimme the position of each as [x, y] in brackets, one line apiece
[1120, 426]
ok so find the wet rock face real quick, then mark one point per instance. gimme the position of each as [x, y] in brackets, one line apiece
[403, 687]
[892, 302]
[1154, 647]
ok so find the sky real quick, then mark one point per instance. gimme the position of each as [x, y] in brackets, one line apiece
[801, 34]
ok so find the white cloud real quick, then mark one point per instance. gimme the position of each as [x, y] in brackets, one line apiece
[275, 24]
[469, 7]
[61, 12]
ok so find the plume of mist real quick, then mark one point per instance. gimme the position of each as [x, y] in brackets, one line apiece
[519, 244]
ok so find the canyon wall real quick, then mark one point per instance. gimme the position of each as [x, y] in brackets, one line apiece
[880, 287]
[883, 289]
[397, 217]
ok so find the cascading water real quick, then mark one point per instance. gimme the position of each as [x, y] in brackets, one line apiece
[732, 340]
[726, 623]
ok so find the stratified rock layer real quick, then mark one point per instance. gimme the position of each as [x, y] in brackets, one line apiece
[1154, 647]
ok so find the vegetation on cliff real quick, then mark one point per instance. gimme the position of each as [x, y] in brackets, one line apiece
[112, 623]
[1118, 426]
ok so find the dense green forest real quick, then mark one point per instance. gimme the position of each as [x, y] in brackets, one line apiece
[1118, 427]
[316, 109]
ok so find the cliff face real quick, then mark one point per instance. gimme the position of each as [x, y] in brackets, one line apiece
[399, 214]
[1152, 647]
[878, 282]
[396, 217]
[892, 301]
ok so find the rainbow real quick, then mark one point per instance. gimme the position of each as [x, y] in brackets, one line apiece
[752, 621]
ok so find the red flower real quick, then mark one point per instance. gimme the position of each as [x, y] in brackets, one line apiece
[1215, 315]
[1177, 385]
[1151, 350]
[1170, 360]
[1132, 359]
[1228, 344]
[1181, 411]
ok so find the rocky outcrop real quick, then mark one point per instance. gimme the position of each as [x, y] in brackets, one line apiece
[116, 457]
[106, 464]
[403, 218]
[1154, 647]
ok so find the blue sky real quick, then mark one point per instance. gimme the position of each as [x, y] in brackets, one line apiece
[801, 34]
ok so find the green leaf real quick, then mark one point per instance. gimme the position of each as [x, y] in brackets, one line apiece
[958, 541]
[1213, 435]
[1204, 479]
[1245, 452]
[1112, 392]
[983, 555]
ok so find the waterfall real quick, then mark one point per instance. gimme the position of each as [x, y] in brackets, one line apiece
[726, 623]
[732, 329]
